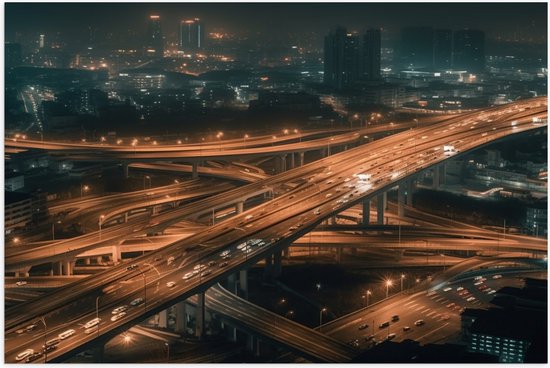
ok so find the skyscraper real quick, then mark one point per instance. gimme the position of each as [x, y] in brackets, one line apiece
[469, 50]
[443, 48]
[341, 58]
[371, 54]
[191, 35]
[12, 54]
[417, 44]
[155, 41]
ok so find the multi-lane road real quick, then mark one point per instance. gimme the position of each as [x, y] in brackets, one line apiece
[352, 175]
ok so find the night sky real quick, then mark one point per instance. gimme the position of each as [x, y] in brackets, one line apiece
[494, 18]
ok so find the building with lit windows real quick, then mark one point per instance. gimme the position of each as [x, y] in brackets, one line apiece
[191, 35]
[155, 41]
[469, 50]
[17, 211]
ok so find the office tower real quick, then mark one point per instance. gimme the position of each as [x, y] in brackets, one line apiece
[42, 41]
[341, 58]
[417, 44]
[12, 54]
[469, 50]
[443, 48]
[191, 35]
[155, 41]
[371, 54]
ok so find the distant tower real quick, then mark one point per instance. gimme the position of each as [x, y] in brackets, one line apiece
[191, 35]
[41, 41]
[443, 48]
[371, 54]
[341, 58]
[469, 50]
[155, 41]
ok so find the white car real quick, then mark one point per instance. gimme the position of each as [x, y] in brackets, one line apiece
[460, 288]
[24, 354]
[497, 277]
[471, 299]
[225, 253]
[120, 309]
[448, 289]
[492, 292]
[241, 246]
[21, 283]
[116, 317]
[63, 335]
[92, 323]
[188, 275]
[170, 284]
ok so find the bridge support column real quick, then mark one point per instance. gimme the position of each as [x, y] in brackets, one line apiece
[410, 190]
[195, 170]
[401, 200]
[366, 212]
[239, 207]
[125, 170]
[200, 317]
[99, 260]
[283, 162]
[301, 158]
[87, 261]
[125, 217]
[323, 152]
[435, 178]
[67, 267]
[268, 269]
[380, 209]
[230, 332]
[181, 318]
[243, 284]
[442, 173]
[339, 251]
[292, 163]
[277, 264]
[232, 283]
[116, 254]
[163, 319]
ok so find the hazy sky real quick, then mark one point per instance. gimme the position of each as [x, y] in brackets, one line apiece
[494, 18]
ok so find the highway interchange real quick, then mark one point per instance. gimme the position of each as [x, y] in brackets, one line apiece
[325, 185]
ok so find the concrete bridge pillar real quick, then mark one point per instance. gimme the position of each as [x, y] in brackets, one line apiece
[125, 217]
[410, 190]
[292, 163]
[442, 173]
[339, 252]
[116, 253]
[195, 170]
[435, 178]
[181, 317]
[366, 211]
[243, 284]
[380, 209]
[163, 319]
[67, 267]
[87, 261]
[401, 200]
[232, 283]
[301, 158]
[277, 265]
[99, 260]
[239, 207]
[282, 160]
[268, 266]
[200, 317]
[126, 170]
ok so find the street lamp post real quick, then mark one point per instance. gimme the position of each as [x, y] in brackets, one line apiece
[219, 136]
[83, 188]
[368, 294]
[43, 319]
[149, 179]
[144, 290]
[443, 255]
[168, 351]
[402, 278]
[97, 313]
[321, 317]
[100, 223]
[388, 284]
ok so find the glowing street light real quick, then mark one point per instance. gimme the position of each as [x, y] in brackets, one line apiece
[321, 317]
[100, 223]
[402, 278]
[83, 188]
[388, 284]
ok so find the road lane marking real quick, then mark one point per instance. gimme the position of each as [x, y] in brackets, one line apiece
[425, 310]
[412, 301]
[412, 306]
[436, 316]
[429, 314]
[419, 308]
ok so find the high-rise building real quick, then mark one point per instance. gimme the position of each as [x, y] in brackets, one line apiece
[417, 45]
[341, 58]
[191, 35]
[155, 41]
[42, 41]
[371, 54]
[443, 48]
[12, 54]
[469, 50]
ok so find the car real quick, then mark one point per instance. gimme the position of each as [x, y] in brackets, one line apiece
[171, 284]
[225, 253]
[497, 277]
[206, 273]
[477, 278]
[384, 325]
[406, 328]
[448, 289]
[212, 263]
[68, 333]
[157, 259]
[223, 264]
[483, 287]
[445, 317]
[116, 317]
[199, 267]
[430, 293]
[460, 288]
[248, 217]
[240, 246]
[91, 330]
[47, 349]
[370, 337]
[317, 212]
[170, 260]
[420, 322]
[31, 327]
[120, 309]
[24, 354]
[450, 305]
[21, 283]
[292, 228]
[391, 336]
[395, 318]
[354, 343]
[471, 299]
[92, 323]
[52, 342]
[136, 301]
[492, 292]
[132, 267]
[33, 356]
[188, 275]
[363, 326]
[478, 283]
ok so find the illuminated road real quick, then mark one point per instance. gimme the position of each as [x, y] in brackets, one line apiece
[275, 223]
